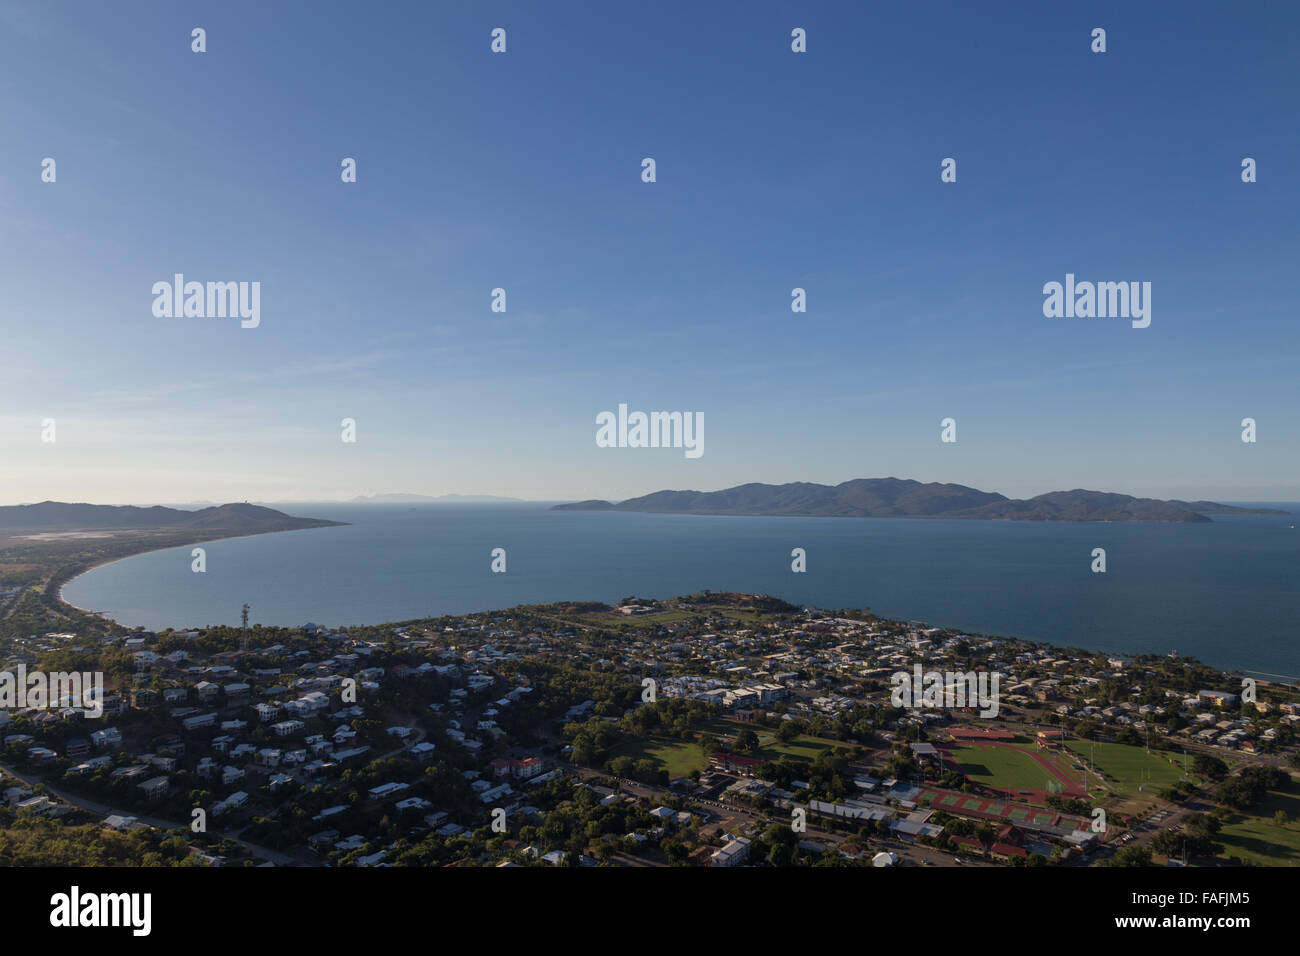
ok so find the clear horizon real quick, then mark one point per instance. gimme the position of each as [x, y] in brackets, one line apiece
[353, 499]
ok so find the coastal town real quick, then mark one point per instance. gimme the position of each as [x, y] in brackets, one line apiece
[712, 730]
[426, 567]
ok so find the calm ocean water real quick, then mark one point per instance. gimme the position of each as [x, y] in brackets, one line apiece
[1227, 592]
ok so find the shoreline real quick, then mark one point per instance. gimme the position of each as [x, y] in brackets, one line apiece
[1065, 644]
[59, 598]
[1267, 677]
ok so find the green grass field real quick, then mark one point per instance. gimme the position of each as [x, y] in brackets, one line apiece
[1001, 767]
[680, 757]
[1130, 770]
[1257, 838]
[803, 747]
[614, 619]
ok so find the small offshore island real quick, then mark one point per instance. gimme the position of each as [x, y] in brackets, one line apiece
[682, 732]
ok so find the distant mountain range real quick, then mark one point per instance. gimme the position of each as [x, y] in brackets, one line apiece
[235, 518]
[904, 498]
[416, 499]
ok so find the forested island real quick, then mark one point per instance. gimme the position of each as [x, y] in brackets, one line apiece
[905, 498]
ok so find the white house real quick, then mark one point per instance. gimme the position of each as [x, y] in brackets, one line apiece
[109, 738]
[733, 854]
[232, 802]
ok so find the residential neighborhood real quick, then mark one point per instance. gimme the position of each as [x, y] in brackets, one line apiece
[713, 730]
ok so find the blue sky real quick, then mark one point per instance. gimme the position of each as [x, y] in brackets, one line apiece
[522, 170]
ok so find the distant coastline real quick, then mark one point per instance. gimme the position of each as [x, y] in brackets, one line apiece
[44, 547]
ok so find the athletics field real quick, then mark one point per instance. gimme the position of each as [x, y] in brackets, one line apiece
[1014, 770]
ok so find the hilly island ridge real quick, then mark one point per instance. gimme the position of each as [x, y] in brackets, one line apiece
[905, 498]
